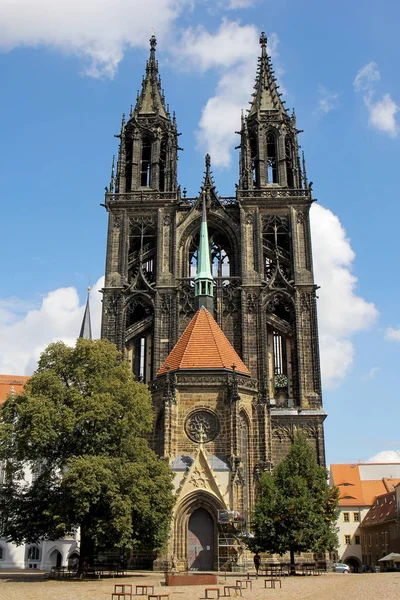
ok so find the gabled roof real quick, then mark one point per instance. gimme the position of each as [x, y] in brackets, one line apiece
[355, 491]
[11, 384]
[383, 509]
[203, 345]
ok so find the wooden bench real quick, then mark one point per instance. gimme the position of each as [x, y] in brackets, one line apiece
[123, 588]
[228, 588]
[217, 590]
[272, 581]
[144, 590]
[245, 583]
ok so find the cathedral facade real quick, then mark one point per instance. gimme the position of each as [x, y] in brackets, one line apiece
[212, 300]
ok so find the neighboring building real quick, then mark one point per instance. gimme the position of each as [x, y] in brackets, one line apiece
[231, 382]
[45, 554]
[11, 384]
[381, 528]
[359, 486]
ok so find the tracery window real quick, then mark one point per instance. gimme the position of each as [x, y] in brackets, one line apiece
[272, 158]
[142, 248]
[139, 325]
[163, 164]
[244, 455]
[289, 163]
[220, 262]
[145, 162]
[159, 434]
[254, 161]
[33, 553]
[276, 243]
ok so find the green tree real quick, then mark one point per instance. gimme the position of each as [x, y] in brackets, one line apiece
[80, 426]
[295, 510]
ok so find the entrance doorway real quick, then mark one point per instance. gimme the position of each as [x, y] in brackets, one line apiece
[200, 550]
[56, 559]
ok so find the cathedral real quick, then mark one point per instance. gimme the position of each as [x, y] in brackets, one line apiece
[212, 301]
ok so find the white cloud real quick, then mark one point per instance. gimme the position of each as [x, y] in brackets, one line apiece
[372, 373]
[382, 115]
[233, 51]
[393, 334]
[366, 76]
[386, 456]
[98, 31]
[382, 112]
[327, 100]
[236, 4]
[24, 336]
[341, 312]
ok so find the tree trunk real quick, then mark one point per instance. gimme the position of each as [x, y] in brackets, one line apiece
[86, 552]
[292, 564]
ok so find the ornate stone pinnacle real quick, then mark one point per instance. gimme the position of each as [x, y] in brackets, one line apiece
[263, 40]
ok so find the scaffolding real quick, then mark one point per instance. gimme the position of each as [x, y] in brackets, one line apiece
[232, 528]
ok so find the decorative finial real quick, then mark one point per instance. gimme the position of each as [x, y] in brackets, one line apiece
[153, 42]
[89, 288]
[208, 161]
[263, 42]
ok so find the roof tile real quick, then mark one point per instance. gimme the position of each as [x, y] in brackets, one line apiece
[203, 345]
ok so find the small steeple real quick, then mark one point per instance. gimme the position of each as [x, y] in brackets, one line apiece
[86, 328]
[151, 99]
[203, 281]
[266, 95]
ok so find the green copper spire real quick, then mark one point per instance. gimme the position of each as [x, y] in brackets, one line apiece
[204, 282]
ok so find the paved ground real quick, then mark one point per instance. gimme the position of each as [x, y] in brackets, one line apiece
[374, 586]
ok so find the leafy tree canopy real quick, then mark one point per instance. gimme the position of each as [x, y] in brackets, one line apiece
[80, 426]
[296, 510]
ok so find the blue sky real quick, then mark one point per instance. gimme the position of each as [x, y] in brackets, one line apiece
[68, 71]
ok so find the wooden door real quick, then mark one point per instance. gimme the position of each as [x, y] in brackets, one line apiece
[200, 550]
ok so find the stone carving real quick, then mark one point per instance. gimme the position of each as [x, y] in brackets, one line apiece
[202, 426]
[198, 478]
[231, 297]
[251, 303]
[117, 221]
[186, 299]
[249, 219]
[300, 217]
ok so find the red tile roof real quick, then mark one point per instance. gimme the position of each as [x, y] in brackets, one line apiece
[11, 383]
[384, 509]
[357, 492]
[203, 345]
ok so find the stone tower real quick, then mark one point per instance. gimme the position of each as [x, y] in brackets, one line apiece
[233, 275]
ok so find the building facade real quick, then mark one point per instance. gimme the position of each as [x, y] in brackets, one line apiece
[360, 484]
[219, 423]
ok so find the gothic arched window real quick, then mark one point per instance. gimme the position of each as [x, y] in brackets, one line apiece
[145, 162]
[163, 164]
[139, 330]
[33, 553]
[272, 158]
[220, 254]
[142, 249]
[289, 163]
[276, 244]
[254, 161]
[244, 455]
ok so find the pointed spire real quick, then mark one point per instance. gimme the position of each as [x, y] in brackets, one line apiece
[86, 328]
[151, 99]
[208, 190]
[266, 96]
[204, 282]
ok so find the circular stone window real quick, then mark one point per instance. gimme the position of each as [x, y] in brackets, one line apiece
[202, 426]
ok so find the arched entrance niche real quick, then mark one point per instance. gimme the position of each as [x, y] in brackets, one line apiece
[354, 564]
[55, 558]
[195, 529]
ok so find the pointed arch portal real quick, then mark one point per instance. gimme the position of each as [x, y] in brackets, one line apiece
[200, 541]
